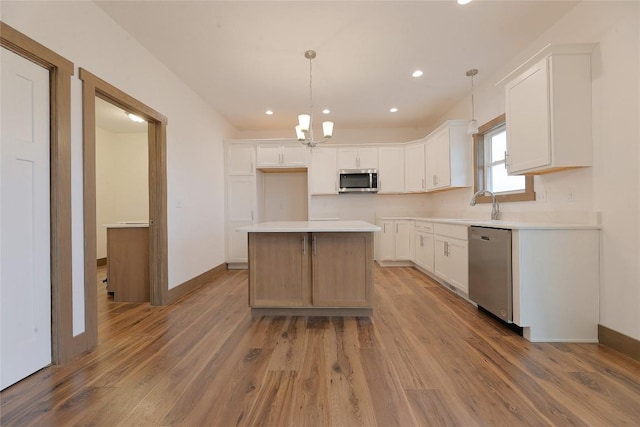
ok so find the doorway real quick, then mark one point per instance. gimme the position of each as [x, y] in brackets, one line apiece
[94, 87]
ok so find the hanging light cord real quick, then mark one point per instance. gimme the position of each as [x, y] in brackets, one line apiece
[311, 99]
[473, 109]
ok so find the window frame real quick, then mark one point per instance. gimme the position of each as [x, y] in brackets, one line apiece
[479, 173]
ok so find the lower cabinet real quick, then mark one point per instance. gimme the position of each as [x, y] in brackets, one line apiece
[342, 269]
[424, 250]
[452, 255]
[308, 270]
[279, 273]
[395, 240]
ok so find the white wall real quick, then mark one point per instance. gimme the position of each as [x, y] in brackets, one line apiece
[82, 33]
[612, 186]
[284, 196]
[122, 181]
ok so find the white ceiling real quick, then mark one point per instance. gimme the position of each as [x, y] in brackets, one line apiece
[246, 57]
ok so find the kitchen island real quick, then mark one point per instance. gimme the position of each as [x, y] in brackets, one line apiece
[319, 268]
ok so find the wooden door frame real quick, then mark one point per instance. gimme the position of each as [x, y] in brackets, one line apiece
[64, 345]
[93, 86]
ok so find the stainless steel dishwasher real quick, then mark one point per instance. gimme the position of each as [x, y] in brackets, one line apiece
[490, 275]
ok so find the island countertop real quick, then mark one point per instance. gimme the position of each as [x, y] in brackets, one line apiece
[310, 227]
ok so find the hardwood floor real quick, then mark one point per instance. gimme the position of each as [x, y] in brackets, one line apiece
[426, 357]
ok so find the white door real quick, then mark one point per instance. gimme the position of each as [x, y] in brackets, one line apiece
[25, 272]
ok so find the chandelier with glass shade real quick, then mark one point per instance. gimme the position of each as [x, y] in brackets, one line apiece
[304, 130]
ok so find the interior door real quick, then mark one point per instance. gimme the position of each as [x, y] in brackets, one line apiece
[25, 270]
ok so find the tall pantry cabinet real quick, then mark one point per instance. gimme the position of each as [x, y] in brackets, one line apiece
[241, 198]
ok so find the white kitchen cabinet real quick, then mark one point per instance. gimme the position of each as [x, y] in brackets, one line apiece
[423, 246]
[548, 111]
[358, 158]
[556, 284]
[323, 173]
[452, 255]
[240, 159]
[241, 202]
[414, 167]
[449, 150]
[391, 170]
[395, 240]
[276, 155]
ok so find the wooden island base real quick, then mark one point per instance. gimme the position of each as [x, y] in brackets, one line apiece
[297, 272]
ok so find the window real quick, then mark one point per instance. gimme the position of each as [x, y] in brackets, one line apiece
[490, 145]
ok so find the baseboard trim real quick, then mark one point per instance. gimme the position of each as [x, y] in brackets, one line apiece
[195, 283]
[312, 311]
[101, 261]
[619, 342]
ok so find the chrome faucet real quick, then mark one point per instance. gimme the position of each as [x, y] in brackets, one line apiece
[495, 206]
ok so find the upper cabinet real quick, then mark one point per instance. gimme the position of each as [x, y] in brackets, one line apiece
[548, 111]
[358, 158]
[277, 155]
[448, 157]
[414, 167]
[323, 174]
[391, 169]
[240, 159]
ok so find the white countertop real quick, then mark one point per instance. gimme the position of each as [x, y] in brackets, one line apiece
[310, 227]
[511, 225]
[128, 224]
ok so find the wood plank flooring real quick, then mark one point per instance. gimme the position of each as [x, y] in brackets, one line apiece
[426, 358]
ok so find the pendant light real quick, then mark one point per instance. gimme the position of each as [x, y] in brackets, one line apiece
[473, 123]
[304, 130]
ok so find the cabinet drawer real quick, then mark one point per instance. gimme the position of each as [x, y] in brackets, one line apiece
[456, 231]
[426, 227]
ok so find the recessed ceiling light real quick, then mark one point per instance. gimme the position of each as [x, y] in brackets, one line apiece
[393, 110]
[269, 113]
[326, 111]
[417, 73]
[135, 118]
[464, 1]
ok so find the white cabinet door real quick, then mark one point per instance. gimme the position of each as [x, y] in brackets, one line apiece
[528, 139]
[448, 157]
[424, 251]
[452, 261]
[241, 196]
[414, 164]
[240, 159]
[458, 253]
[438, 173]
[294, 155]
[548, 111]
[281, 155]
[348, 158]
[404, 243]
[391, 170]
[387, 240]
[323, 173]
[367, 158]
[269, 155]
[358, 158]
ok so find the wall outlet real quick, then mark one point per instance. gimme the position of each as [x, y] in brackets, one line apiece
[571, 196]
[541, 196]
[179, 203]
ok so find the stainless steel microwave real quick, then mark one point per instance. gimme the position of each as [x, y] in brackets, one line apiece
[358, 181]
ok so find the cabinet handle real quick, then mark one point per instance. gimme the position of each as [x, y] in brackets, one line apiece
[304, 244]
[423, 186]
[314, 245]
[421, 241]
[396, 228]
[358, 161]
[384, 228]
[251, 214]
